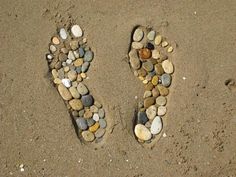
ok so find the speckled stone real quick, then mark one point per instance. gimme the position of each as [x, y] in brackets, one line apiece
[142, 72]
[100, 132]
[88, 136]
[142, 118]
[87, 100]
[155, 80]
[97, 104]
[156, 54]
[72, 75]
[64, 92]
[156, 126]
[81, 123]
[161, 101]
[158, 40]
[94, 109]
[147, 93]
[149, 101]
[165, 80]
[78, 62]
[155, 92]
[88, 114]
[76, 104]
[142, 132]
[103, 123]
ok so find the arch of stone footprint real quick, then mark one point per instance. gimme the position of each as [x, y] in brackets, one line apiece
[69, 59]
[149, 58]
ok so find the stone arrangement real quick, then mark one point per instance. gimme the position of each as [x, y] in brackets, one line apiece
[149, 58]
[69, 59]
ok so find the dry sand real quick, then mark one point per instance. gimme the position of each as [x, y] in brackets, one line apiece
[35, 127]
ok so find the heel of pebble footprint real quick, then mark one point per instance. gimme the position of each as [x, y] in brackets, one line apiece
[149, 58]
[69, 59]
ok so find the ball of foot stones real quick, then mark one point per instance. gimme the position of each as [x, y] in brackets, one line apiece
[134, 60]
[165, 80]
[85, 66]
[88, 136]
[142, 132]
[156, 126]
[88, 56]
[138, 35]
[82, 89]
[87, 100]
[102, 123]
[64, 92]
[161, 101]
[81, 123]
[100, 132]
[76, 104]
[161, 110]
[63, 33]
[142, 118]
[151, 112]
[168, 66]
[76, 31]
[145, 53]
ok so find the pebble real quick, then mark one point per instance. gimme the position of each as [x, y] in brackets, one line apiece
[88, 114]
[62, 57]
[71, 55]
[145, 81]
[75, 84]
[64, 92]
[101, 113]
[76, 53]
[94, 109]
[87, 100]
[149, 77]
[81, 52]
[134, 60]
[78, 70]
[63, 33]
[49, 56]
[54, 73]
[52, 48]
[81, 123]
[72, 75]
[151, 35]
[85, 66]
[145, 53]
[170, 49]
[148, 66]
[142, 118]
[164, 44]
[168, 66]
[165, 80]
[159, 69]
[82, 89]
[76, 31]
[156, 126]
[78, 62]
[88, 56]
[138, 35]
[155, 80]
[96, 117]
[161, 101]
[163, 90]
[150, 46]
[68, 61]
[66, 82]
[57, 81]
[83, 75]
[61, 73]
[147, 93]
[64, 64]
[137, 45]
[75, 113]
[55, 40]
[142, 132]
[149, 101]
[97, 104]
[100, 132]
[151, 112]
[158, 40]
[88, 136]
[64, 50]
[149, 86]
[103, 123]
[81, 113]
[74, 45]
[66, 69]
[148, 124]
[90, 122]
[94, 127]
[74, 92]
[76, 104]
[161, 110]
[142, 72]
[156, 54]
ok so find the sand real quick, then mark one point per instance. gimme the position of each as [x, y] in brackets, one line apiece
[35, 127]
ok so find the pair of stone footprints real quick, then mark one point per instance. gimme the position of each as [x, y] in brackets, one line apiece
[69, 59]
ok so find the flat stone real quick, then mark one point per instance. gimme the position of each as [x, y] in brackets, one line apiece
[63, 33]
[87, 100]
[72, 75]
[142, 118]
[161, 110]
[151, 112]
[96, 117]
[76, 104]
[74, 92]
[90, 122]
[100, 132]
[76, 31]
[138, 35]
[156, 54]
[88, 136]
[149, 101]
[156, 126]
[102, 123]
[151, 35]
[134, 60]
[163, 90]
[101, 113]
[148, 66]
[64, 92]
[85, 66]
[155, 80]
[142, 132]
[155, 92]
[71, 55]
[88, 56]
[158, 40]
[145, 53]
[168, 66]
[81, 123]
[159, 69]
[55, 40]
[94, 127]
[147, 93]
[82, 89]
[165, 80]
[161, 101]
[137, 45]
[66, 82]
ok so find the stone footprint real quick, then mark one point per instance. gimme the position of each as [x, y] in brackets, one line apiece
[150, 59]
[69, 59]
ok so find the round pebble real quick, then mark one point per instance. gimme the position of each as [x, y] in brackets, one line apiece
[54, 73]
[149, 101]
[138, 35]
[158, 40]
[49, 56]
[137, 45]
[55, 40]
[142, 132]
[74, 45]
[155, 80]
[103, 123]
[151, 35]
[96, 117]
[76, 31]
[74, 92]
[66, 82]
[101, 113]
[81, 123]
[76, 104]
[100, 132]
[63, 33]
[168, 66]
[90, 122]
[83, 75]
[163, 90]
[151, 112]
[149, 86]
[161, 101]
[87, 100]
[64, 92]
[145, 53]
[148, 66]
[142, 118]
[52, 48]
[85, 66]
[161, 110]
[166, 80]
[134, 60]
[82, 89]
[88, 136]
[142, 72]
[81, 113]
[94, 127]
[62, 57]
[156, 54]
[156, 126]
[88, 56]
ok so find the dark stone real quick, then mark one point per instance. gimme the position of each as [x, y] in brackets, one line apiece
[150, 46]
[142, 118]
[87, 100]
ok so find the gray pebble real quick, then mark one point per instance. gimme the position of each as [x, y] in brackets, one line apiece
[81, 113]
[100, 132]
[102, 123]
[85, 66]
[101, 113]
[88, 56]
[142, 118]
[90, 122]
[87, 100]
[82, 123]
[81, 52]
[82, 89]
[166, 80]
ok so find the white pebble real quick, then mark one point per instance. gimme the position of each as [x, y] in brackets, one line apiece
[68, 61]
[63, 33]
[71, 55]
[96, 117]
[49, 56]
[66, 82]
[76, 31]
[156, 126]
[161, 110]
